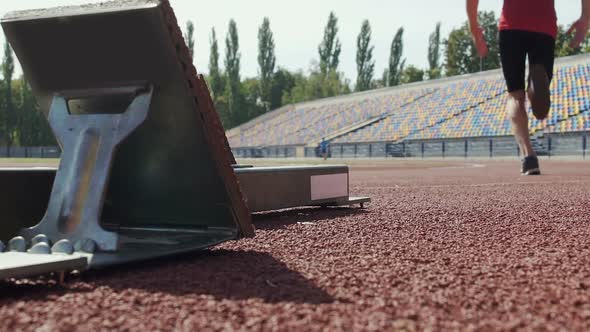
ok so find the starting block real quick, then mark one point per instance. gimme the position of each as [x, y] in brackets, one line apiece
[146, 170]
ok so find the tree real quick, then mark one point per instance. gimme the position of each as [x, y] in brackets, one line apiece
[190, 38]
[412, 74]
[434, 54]
[8, 121]
[266, 61]
[2, 113]
[282, 83]
[253, 105]
[460, 53]
[317, 86]
[489, 23]
[233, 93]
[298, 92]
[562, 44]
[330, 47]
[215, 80]
[25, 118]
[396, 64]
[33, 128]
[364, 58]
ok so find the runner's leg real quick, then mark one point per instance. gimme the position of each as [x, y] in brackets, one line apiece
[520, 121]
[513, 57]
[541, 59]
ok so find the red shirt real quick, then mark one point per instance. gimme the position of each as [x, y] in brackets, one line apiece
[529, 15]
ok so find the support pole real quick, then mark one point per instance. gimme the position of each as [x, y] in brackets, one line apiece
[584, 146]
[466, 148]
[422, 147]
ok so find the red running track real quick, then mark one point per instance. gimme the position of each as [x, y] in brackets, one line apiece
[440, 248]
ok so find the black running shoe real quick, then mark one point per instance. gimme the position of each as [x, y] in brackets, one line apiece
[539, 94]
[530, 166]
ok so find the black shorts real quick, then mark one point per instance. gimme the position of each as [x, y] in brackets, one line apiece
[515, 45]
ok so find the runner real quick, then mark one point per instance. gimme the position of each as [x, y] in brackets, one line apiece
[324, 149]
[527, 27]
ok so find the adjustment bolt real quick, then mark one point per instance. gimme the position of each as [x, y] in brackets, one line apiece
[63, 247]
[41, 238]
[41, 248]
[17, 244]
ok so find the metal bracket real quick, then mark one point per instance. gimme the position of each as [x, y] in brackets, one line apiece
[88, 141]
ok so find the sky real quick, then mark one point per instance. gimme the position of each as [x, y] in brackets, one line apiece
[298, 26]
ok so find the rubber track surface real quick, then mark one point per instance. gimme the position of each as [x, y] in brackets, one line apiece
[445, 248]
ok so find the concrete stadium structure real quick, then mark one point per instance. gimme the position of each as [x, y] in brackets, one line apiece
[454, 117]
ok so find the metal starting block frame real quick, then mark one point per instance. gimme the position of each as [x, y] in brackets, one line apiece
[146, 170]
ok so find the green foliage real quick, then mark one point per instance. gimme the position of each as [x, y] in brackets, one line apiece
[266, 61]
[460, 52]
[434, 71]
[283, 82]
[412, 74]
[253, 105]
[364, 59]
[330, 47]
[8, 116]
[222, 107]
[233, 91]
[21, 121]
[298, 92]
[317, 85]
[2, 113]
[190, 38]
[396, 64]
[216, 83]
[33, 128]
[489, 23]
[562, 44]
[216, 80]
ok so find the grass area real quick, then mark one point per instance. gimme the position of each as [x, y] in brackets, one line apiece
[28, 162]
[402, 163]
[394, 163]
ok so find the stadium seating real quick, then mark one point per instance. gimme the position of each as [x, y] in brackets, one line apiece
[444, 104]
[570, 96]
[460, 107]
[487, 119]
[569, 92]
[580, 122]
[312, 121]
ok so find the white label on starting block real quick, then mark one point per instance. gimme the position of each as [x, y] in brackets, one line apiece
[329, 186]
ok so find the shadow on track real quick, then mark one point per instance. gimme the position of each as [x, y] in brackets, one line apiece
[277, 220]
[223, 274]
